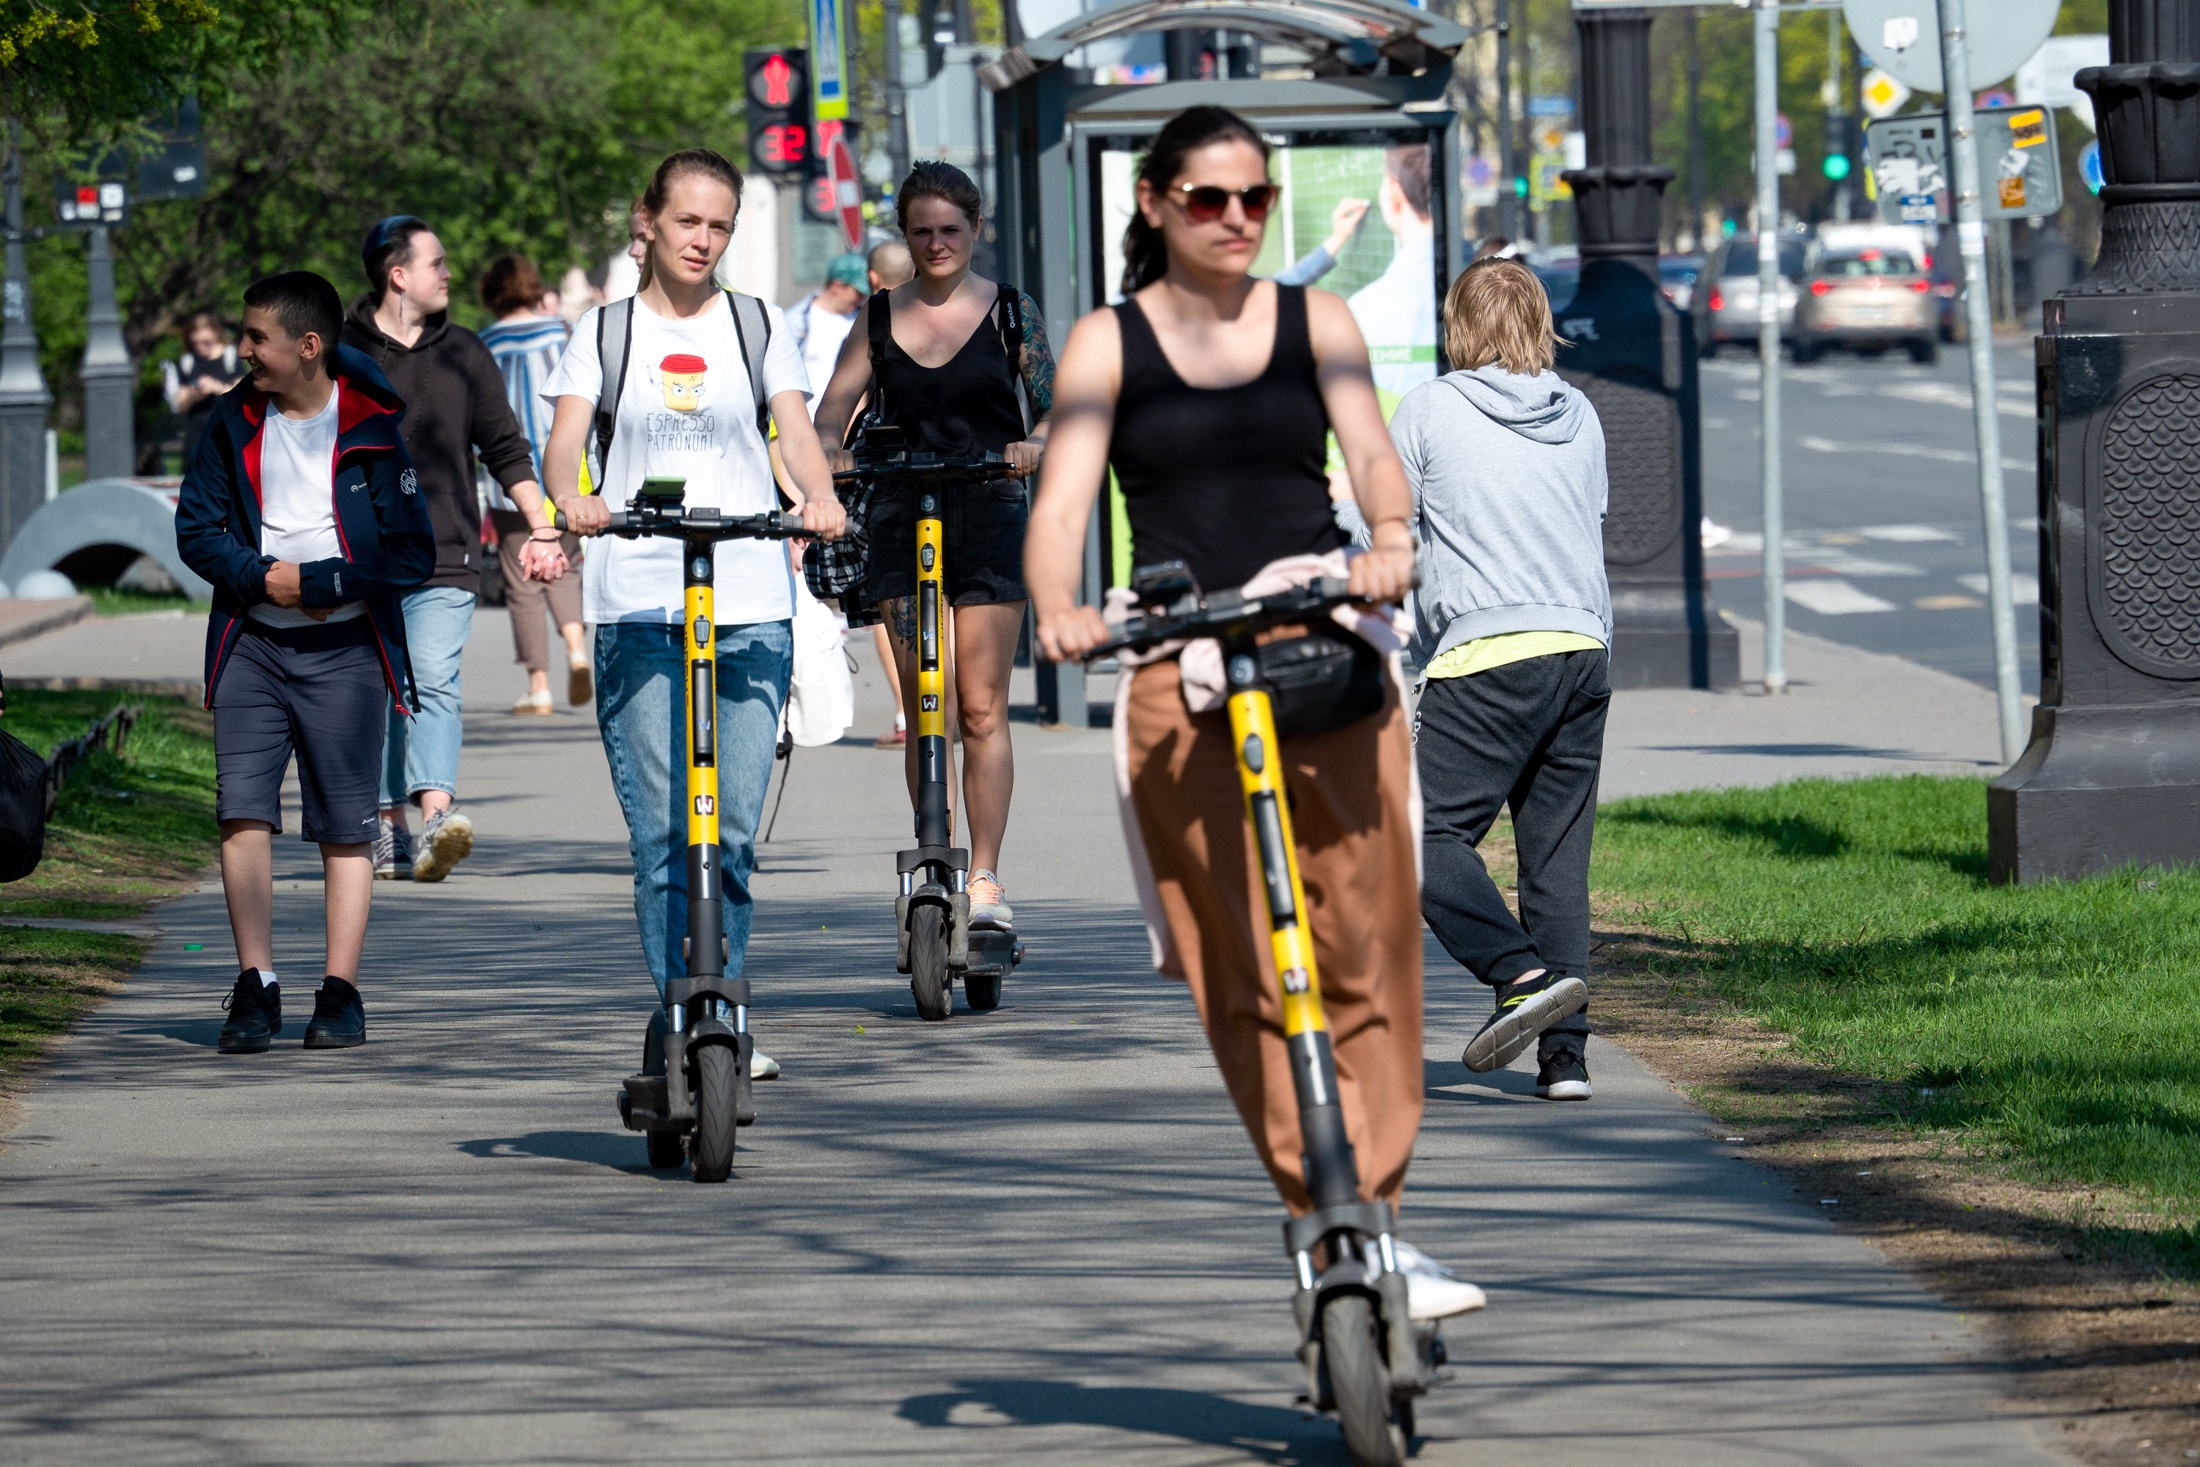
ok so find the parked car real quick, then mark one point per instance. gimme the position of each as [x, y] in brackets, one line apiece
[1726, 311]
[1866, 300]
[1677, 278]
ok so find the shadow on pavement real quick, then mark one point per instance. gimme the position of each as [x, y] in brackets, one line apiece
[1270, 1434]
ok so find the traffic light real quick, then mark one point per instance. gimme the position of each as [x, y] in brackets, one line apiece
[778, 92]
[1839, 147]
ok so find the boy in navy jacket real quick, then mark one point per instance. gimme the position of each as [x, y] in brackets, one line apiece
[301, 507]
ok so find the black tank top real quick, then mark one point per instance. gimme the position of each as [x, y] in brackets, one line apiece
[966, 406]
[1225, 479]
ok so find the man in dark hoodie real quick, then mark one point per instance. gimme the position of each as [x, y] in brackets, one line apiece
[455, 406]
[1514, 619]
[302, 510]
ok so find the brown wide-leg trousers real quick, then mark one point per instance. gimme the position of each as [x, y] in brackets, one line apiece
[1351, 793]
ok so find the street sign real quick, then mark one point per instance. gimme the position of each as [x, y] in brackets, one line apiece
[1551, 106]
[2049, 79]
[1903, 37]
[2019, 166]
[828, 62]
[83, 205]
[840, 173]
[1881, 95]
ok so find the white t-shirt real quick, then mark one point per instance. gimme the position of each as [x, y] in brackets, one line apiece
[822, 333]
[686, 411]
[298, 501]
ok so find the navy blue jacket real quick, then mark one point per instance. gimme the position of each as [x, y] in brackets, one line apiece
[381, 523]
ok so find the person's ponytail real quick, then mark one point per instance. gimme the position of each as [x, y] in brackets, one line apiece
[1145, 247]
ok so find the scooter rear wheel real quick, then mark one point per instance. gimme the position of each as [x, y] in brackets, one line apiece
[715, 1065]
[666, 1150]
[1352, 1353]
[929, 980]
[982, 991]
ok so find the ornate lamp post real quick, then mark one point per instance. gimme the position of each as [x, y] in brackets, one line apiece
[2112, 774]
[1635, 358]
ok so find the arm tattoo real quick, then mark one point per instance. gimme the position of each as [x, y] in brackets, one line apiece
[1038, 362]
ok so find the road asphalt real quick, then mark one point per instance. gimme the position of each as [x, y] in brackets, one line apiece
[988, 1240]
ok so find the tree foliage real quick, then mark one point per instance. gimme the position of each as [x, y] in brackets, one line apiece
[510, 125]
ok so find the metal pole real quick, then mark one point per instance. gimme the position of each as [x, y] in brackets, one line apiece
[1768, 339]
[897, 101]
[1508, 160]
[23, 395]
[1695, 141]
[110, 432]
[1955, 68]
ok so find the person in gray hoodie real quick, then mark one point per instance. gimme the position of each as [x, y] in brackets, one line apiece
[1513, 620]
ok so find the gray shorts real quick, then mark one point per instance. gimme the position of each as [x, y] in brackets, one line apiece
[316, 692]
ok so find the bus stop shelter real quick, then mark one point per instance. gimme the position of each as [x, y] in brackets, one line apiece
[1362, 116]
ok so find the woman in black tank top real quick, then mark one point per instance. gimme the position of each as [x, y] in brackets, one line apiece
[989, 392]
[1211, 395]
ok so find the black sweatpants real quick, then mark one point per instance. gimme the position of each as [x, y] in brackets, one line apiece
[1529, 735]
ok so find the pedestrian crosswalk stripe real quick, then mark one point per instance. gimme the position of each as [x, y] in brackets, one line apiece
[1834, 598]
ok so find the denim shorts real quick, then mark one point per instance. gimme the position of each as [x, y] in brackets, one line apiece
[316, 692]
[983, 540]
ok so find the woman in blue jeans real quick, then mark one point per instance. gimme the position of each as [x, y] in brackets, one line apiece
[686, 411]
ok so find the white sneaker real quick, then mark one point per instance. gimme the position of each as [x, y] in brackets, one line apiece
[988, 903]
[762, 1066]
[1432, 1290]
[446, 840]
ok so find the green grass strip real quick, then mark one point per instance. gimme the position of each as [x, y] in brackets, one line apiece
[2058, 1025]
[128, 831]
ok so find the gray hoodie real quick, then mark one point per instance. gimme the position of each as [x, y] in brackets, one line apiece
[1510, 488]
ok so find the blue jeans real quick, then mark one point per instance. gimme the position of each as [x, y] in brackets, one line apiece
[424, 756]
[641, 706]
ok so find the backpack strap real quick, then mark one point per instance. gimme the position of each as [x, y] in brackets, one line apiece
[753, 326]
[1009, 309]
[614, 342]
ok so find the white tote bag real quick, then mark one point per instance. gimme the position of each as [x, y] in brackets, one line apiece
[821, 702]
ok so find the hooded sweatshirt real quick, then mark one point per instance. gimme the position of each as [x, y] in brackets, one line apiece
[1510, 489]
[454, 404]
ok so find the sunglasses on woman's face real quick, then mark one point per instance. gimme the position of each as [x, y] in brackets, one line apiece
[1204, 203]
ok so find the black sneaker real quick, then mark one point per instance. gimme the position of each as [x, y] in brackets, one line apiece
[1562, 1070]
[255, 1016]
[339, 1020]
[1524, 1010]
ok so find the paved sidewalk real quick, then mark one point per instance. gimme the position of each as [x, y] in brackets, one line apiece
[1032, 1236]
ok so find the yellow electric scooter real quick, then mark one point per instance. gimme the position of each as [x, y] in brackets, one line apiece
[936, 943]
[1365, 1358]
[700, 1037]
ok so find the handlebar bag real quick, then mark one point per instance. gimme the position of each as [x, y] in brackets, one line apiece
[1322, 681]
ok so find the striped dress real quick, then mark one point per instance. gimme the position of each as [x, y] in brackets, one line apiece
[526, 348]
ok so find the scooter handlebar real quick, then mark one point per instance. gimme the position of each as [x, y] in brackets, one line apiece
[1227, 611]
[914, 469]
[630, 524]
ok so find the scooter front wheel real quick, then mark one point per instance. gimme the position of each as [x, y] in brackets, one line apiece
[715, 1065]
[929, 981]
[1352, 1354]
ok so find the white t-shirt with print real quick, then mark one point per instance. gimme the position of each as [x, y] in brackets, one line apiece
[298, 502]
[686, 412]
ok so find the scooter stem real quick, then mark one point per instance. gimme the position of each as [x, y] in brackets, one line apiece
[706, 894]
[932, 820]
[1330, 1169]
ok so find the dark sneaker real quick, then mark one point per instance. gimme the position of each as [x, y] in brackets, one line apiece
[446, 840]
[393, 852]
[339, 1019]
[1562, 1072]
[1524, 1010]
[255, 1016]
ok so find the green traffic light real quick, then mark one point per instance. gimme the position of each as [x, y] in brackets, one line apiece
[1837, 166]
[1520, 188]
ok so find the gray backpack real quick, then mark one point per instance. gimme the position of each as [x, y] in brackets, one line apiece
[615, 341]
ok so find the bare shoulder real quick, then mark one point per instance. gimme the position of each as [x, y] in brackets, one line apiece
[1096, 337]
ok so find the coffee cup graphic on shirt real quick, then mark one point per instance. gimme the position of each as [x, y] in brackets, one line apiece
[680, 376]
